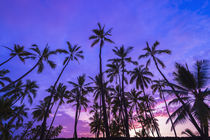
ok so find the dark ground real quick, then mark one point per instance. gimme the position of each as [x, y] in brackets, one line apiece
[161, 138]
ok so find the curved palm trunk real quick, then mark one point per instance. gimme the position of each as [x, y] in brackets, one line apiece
[75, 122]
[178, 97]
[12, 83]
[53, 120]
[43, 126]
[103, 97]
[124, 103]
[172, 124]
[148, 107]
[7, 60]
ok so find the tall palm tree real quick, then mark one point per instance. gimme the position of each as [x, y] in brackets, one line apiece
[78, 95]
[193, 84]
[3, 77]
[41, 56]
[152, 53]
[100, 35]
[17, 51]
[61, 94]
[157, 86]
[142, 78]
[74, 52]
[122, 59]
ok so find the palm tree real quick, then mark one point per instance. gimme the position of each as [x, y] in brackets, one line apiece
[122, 59]
[41, 56]
[17, 51]
[3, 78]
[77, 95]
[142, 78]
[195, 93]
[157, 86]
[74, 53]
[20, 91]
[100, 35]
[61, 94]
[152, 54]
[39, 111]
[113, 72]
[95, 119]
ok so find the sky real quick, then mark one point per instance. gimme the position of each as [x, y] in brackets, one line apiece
[181, 26]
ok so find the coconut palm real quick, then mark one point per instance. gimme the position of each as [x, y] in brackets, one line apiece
[151, 53]
[122, 59]
[42, 57]
[61, 93]
[17, 51]
[195, 94]
[142, 78]
[74, 52]
[20, 92]
[39, 111]
[3, 77]
[113, 72]
[100, 35]
[95, 124]
[157, 86]
[78, 95]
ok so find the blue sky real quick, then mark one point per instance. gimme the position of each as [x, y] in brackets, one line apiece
[181, 26]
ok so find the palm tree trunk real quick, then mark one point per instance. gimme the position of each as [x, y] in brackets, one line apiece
[43, 126]
[99, 125]
[75, 122]
[172, 124]
[7, 60]
[12, 83]
[124, 103]
[148, 107]
[178, 97]
[53, 120]
[103, 97]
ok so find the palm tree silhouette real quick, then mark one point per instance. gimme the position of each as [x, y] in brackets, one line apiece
[61, 93]
[41, 56]
[152, 54]
[195, 93]
[100, 35]
[74, 53]
[16, 51]
[122, 59]
[95, 119]
[3, 77]
[20, 91]
[142, 78]
[77, 95]
[157, 86]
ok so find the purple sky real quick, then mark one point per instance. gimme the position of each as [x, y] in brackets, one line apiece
[181, 26]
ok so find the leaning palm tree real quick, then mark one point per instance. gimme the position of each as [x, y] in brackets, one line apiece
[100, 35]
[193, 86]
[41, 56]
[78, 95]
[157, 86]
[74, 52]
[3, 78]
[152, 53]
[16, 51]
[122, 59]
[61, 94]
[142, 78]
